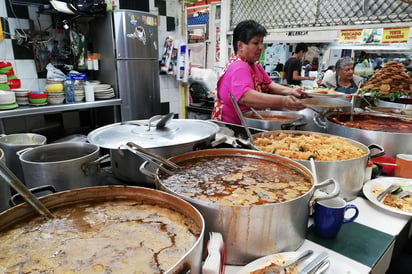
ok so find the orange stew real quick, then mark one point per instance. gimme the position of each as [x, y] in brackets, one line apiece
[376, 123]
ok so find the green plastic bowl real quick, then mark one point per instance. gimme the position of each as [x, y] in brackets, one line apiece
[37, 101]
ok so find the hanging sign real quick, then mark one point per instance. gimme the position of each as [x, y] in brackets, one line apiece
[395, 35]
[350, 36]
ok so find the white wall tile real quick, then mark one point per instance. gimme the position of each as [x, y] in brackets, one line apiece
[21, 24]
[3, 11]
[25, 69]
[31, 84]
[6, 50]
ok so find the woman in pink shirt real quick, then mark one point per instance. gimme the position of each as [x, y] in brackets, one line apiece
[247, 80]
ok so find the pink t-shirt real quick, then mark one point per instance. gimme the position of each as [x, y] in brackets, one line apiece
[238, 79]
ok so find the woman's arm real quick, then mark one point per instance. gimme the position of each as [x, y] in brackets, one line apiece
[259, 100]
[275, 88]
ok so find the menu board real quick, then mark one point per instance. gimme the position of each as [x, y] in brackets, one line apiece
[374, 36]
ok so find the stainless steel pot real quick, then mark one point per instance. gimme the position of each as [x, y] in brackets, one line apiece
[191, 261]
[392, 142]
[274, 119]
[257, 230]
[14, 142]
[65, 165]
[5, 192]
[178, 136]
[349, 174]
[401, 103]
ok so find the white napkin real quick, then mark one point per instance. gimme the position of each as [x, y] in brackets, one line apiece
[215, 260]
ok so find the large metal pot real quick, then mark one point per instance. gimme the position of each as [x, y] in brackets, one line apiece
[274, 119]
[65, 165]
[349, 174]
[191, 261]
[400, 103]
[14, 142]
[5, 192]
[253, 231]
[178, 136]
[392, 142]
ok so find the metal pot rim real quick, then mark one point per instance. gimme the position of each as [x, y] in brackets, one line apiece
[356, 143]
[176, 132]
[241, 153]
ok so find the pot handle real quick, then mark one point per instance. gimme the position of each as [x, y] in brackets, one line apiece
[14, 199]
[334, 193]
[145, 171]
[90, 168]
[380, 153]
[294, 125]
[319, 120]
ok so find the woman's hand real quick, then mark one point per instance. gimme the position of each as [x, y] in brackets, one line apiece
[298, 93]
[292, 103]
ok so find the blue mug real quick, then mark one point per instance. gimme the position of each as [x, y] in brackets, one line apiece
[329, 216]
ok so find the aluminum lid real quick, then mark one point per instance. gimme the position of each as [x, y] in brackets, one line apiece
[176, 132]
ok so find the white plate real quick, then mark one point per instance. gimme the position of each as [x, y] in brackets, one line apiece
[278, 258]
[312, 93]
[372, 188]
[102, 86]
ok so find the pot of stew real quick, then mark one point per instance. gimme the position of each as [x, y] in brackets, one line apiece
[274, 119]
[106, 229]
[390, 132]
[259, 202]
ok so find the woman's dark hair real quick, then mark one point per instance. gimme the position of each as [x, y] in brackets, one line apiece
[245, 31]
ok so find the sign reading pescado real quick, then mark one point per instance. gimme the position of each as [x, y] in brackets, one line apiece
[388, 35]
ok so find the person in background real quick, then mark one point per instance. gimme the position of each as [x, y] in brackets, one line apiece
[245, 79]
[343, 79]
[293, 66]
[307, 67]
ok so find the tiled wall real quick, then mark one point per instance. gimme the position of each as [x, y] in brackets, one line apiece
[23, 61]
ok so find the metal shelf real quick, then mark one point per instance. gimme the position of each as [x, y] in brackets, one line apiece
[30, 110]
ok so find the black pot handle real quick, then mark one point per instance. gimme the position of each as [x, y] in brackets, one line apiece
[380, 153]
[294, 125]
[18, 199]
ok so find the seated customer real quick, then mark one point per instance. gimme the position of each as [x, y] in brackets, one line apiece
[343, 79]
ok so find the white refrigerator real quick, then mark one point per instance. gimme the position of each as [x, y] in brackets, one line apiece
[127, 41]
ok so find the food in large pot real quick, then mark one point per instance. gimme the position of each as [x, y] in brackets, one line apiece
[392, 133]
[64, 165]
[178, 136]
[273, 120]
[113, 229]
[259, 202]
[335, 157]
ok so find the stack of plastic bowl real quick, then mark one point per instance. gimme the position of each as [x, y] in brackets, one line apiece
[7, 69]
[37, 98]
[55, 92]
[22, 98]
[7, 99]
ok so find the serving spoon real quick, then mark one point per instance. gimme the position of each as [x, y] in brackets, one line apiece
[18, 186]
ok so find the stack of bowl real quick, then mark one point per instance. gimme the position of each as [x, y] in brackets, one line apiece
[55, 92]
[79, 95]
[22, 98]
[7, 99]
[37, 98]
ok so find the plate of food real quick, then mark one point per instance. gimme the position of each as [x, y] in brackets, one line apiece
[394, 201]
[259, 266]
[323, 92]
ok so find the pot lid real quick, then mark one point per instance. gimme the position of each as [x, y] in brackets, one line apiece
[176, 132]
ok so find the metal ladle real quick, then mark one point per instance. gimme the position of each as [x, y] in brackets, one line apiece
[18, 186]
[239, 113]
